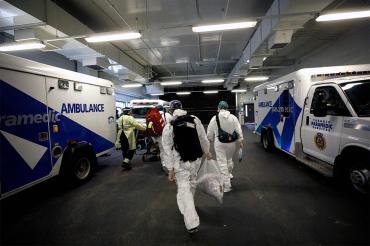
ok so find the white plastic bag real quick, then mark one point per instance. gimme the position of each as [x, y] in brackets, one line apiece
[240, 155]
[210, 180]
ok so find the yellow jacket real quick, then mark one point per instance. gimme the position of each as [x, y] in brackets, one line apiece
[128, 124]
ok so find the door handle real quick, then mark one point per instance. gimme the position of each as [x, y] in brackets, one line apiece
[307, 120]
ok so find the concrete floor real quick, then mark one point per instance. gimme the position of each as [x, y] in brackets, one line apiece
[276, 201]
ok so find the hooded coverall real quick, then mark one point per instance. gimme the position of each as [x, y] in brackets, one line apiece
[167, 118]
[127, 125]
[225, 151]
[185, 172]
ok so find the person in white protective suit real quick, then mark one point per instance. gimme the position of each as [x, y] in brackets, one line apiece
[164, 159]
[184, 172]
[225, 149]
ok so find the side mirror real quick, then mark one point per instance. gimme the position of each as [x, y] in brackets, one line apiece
[321, 109]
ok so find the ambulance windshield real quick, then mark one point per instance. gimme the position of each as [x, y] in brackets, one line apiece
[139, 112]
[358, 93]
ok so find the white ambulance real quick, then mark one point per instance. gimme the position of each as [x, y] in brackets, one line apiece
[139, 107]
[322, 117]
[52, 121]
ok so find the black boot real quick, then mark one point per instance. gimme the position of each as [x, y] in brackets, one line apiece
[126, 165]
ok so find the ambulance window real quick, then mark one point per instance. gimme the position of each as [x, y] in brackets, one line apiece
[334, 103]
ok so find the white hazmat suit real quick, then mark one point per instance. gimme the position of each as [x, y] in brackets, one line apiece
[225, 151]
[185, 172]
[167, 118]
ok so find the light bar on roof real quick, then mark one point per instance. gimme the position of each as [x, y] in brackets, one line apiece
[136, 85]
[107, 37]
[324, 76]
[14, 46]
[167, 83]
[212, 81]
[224, 27]
[343, 16]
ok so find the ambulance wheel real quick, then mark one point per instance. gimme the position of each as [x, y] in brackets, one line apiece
[267, 140]
[78, 168]
[82, 168]
[352, 170]
[358, 175]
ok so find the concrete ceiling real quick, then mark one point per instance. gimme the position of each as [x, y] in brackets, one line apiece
[170, 50]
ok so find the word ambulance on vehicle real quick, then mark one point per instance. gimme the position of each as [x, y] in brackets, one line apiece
[52, 121]
[322, 117]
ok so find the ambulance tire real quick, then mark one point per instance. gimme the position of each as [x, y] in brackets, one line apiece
[82, 167]
[267, 139]
[354, 173]
[78, 166]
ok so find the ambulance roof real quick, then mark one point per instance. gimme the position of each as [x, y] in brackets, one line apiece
[28, 66]
[336, 74]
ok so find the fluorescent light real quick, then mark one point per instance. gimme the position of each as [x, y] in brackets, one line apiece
[212, 81]
[171, 83]
[210, 92]
[106, 37]
[14, 46]
[183, 93]
[256, 78]
[344, 16]
[223, 27]
[157, 94]
[239, 90]
[136, 85]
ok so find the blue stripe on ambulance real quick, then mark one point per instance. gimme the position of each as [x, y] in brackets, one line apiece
[273, 118]
[14, 170]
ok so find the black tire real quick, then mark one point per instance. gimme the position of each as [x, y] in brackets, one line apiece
[267, 140]
[81, 168]
[358, 176]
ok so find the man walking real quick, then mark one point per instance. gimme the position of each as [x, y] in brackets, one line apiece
[184, 141]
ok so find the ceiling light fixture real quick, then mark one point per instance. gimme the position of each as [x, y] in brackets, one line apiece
[136, 85]
[210, 92]
[183, 93]
[157, 94]
[14, 46]
[343, 16]
[107, 37]
[239, 90]
[212, 81]
[171, 83]
[224, 27]
[263, 59]
[247, 61]
[256, 78]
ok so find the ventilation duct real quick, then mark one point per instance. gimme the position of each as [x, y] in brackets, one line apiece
[96, 63]
[280, 39]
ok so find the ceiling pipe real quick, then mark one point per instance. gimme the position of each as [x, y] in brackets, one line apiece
[220, 38]
[51, 14]
[282, 15]
[128, 25]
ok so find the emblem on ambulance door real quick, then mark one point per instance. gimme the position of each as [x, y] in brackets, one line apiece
[320, 141]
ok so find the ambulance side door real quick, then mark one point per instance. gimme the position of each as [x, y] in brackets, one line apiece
[24, 136]
[322, 122]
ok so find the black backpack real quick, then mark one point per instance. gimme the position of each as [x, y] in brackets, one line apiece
[225, 137]
[186, 140]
